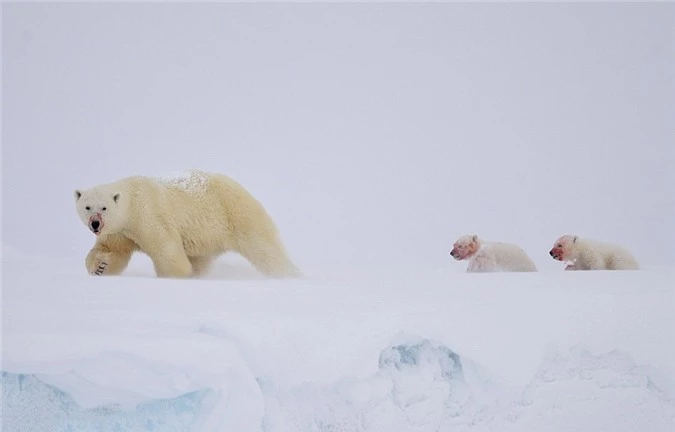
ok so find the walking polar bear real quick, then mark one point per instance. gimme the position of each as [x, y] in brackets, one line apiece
[587, 254]
[486, 256]
[183, 223]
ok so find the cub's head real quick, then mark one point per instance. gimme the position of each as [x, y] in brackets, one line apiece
[465, 247]
[99, 209]
[564, 248]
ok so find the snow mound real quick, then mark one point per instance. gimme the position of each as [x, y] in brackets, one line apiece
[419, 385]
[176, 374]
[425, 386]
[577, 390]
[30, 405]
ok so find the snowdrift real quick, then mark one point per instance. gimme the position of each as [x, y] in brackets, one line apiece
[445, 351]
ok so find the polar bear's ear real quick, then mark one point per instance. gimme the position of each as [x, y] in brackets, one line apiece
[574, 240]
[116, 197]
[474, 238]
[78, 194]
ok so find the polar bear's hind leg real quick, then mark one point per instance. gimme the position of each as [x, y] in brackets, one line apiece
[201, 264]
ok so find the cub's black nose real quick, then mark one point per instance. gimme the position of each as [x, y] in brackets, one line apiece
[95, 225]
[550, 253]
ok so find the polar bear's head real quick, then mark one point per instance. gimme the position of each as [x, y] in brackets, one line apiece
[100, 210]
[564, 249]
[465, 247]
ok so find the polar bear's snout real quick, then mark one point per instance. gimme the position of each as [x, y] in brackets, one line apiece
[456, 254]
[556, 253]
[96, 223]
[461, 253]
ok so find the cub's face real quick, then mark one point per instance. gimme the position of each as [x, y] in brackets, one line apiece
[99, 210]
[563, 248]
[465, 247]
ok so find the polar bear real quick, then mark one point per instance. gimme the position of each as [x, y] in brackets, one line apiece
[181, 222]
[587, 254]
[487, 256]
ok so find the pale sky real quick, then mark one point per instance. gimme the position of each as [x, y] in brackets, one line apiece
[375, 135]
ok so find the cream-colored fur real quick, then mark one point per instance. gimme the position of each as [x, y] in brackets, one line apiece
[183, 223]
[587, 254]
[487, 256]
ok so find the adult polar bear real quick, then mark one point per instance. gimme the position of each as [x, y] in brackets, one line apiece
[587, 254]
[487, 256]
[183, 223]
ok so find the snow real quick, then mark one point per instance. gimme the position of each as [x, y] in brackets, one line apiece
[539, 351]
[375, 135]
[191, 181]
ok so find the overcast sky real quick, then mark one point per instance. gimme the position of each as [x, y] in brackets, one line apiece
[374, 134]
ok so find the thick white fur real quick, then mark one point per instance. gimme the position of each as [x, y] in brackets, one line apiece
[182, 223]
[588, 254]
[486, 256]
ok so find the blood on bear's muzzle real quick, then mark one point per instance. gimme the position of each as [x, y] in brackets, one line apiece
[96, 223]
[554, 254]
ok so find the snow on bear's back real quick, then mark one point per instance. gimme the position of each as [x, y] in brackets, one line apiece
[190, 181]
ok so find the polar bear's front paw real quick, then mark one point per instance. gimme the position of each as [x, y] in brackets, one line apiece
[98, 264]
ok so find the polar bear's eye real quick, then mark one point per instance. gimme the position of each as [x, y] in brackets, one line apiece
[87, 208]
[103, 209]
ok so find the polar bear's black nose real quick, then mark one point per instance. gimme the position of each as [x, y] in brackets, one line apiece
[95, 224]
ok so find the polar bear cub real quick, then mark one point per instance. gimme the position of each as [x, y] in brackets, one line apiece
[586, 254]
[183, 222]
[487, 256]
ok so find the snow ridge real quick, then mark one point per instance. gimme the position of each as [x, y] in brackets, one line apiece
[420, 385]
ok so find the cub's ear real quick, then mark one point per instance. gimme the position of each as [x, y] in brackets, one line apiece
[474, 238]
[78, 194]
[116, 197]
[574, 240]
